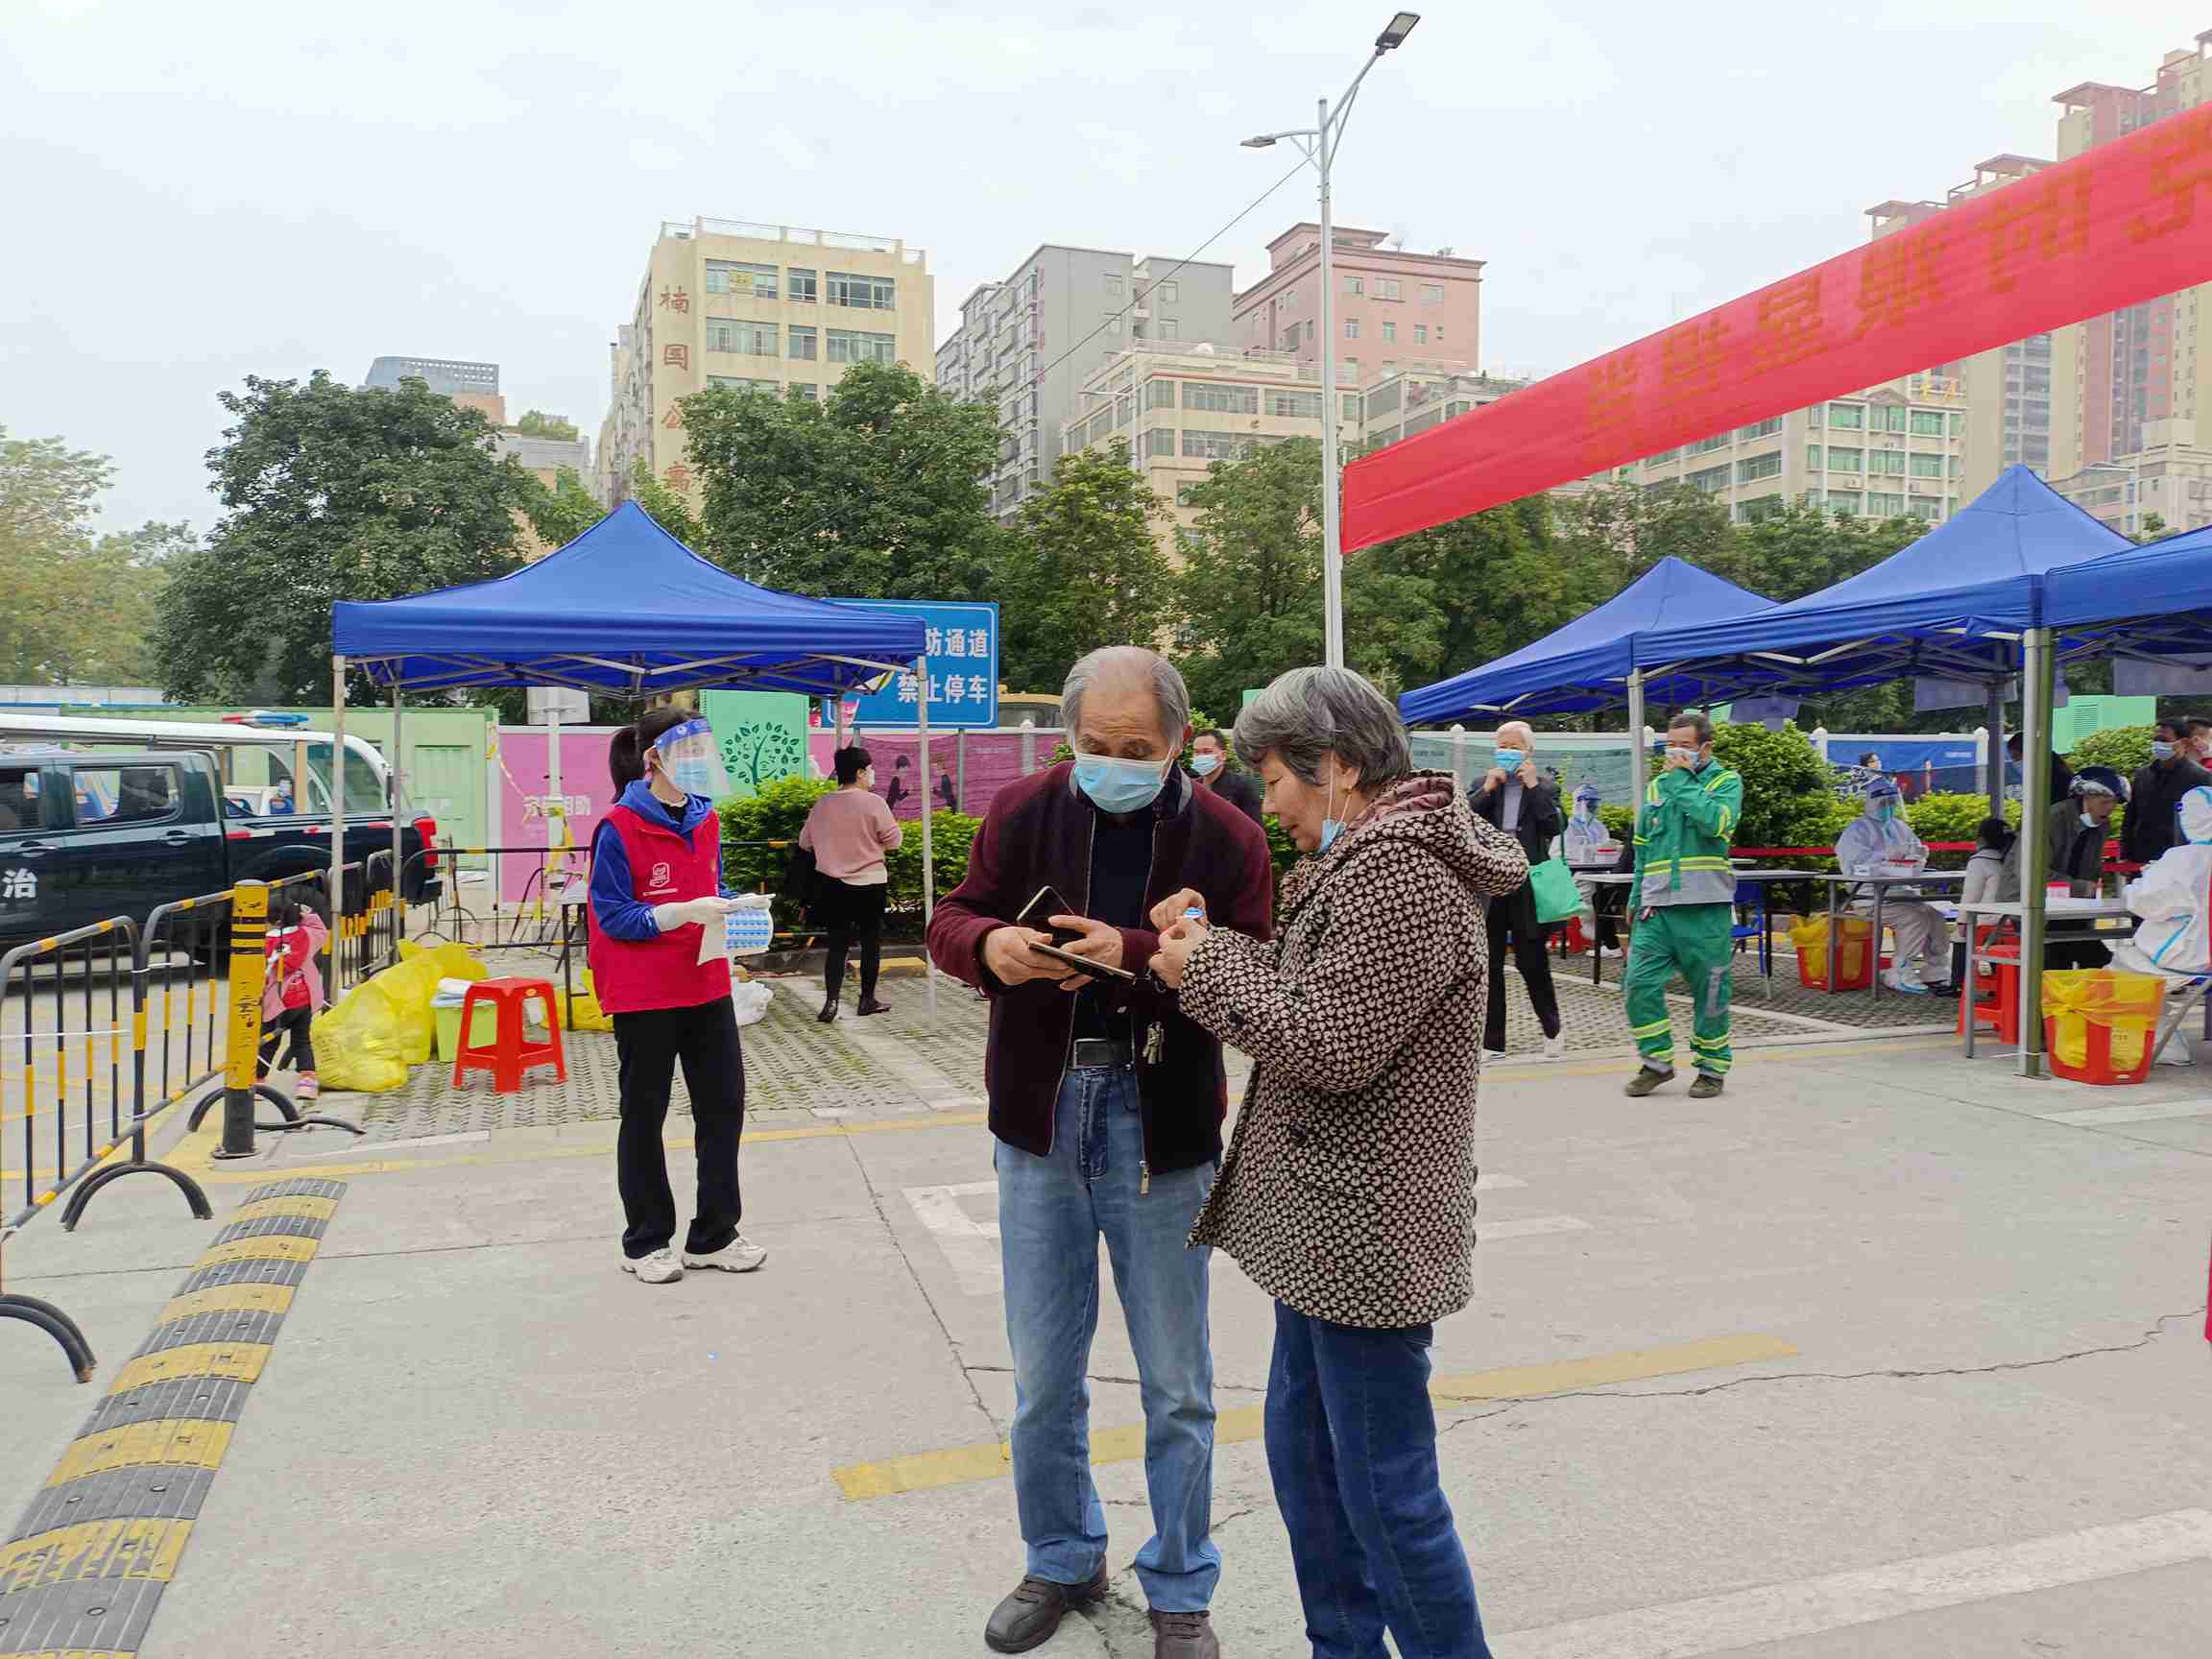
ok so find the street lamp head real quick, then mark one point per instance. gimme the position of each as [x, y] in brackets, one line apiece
[1261, 141]
[1394, 35]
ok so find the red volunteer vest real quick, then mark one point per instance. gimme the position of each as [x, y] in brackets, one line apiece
[634, 976]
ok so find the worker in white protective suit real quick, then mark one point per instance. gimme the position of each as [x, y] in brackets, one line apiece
[1587, 846]
[2173, 898]
[1881, 836]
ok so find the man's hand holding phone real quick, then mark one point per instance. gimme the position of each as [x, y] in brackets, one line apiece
[1007, 954]
[1098, 942]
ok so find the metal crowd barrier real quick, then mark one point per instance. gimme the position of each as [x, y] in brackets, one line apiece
[62, 1038]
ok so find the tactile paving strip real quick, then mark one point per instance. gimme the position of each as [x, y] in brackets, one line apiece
[84, 1568]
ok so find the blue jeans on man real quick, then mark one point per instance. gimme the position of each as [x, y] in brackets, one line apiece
[1352, 1447]
[1053, 1212]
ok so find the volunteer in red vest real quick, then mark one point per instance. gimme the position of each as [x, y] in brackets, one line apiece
[656, 888]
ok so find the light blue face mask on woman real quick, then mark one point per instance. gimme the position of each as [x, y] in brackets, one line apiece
[1119, 785]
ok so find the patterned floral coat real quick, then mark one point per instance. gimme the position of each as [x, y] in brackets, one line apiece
[1349, 1186]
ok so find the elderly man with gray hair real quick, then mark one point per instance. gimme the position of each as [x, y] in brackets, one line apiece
[1107, 1105]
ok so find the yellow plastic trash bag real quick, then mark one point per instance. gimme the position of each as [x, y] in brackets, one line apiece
[408, 986]
[1810, 940]
[2127, 1004]
[584, 1011]
[357, 1044]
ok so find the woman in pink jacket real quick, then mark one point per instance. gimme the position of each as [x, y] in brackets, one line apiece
[848, 831]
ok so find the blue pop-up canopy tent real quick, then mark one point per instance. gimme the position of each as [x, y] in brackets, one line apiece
[1952, 605]
[1586, 665]
[623, 611]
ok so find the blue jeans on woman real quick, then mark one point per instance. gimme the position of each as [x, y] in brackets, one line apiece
[1351, 1445]
[1053, 1212]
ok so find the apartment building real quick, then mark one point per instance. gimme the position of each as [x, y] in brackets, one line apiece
[1393, 308]
[778, 308]
[1894, 450]
[2165, 485]
[1180, 408]
[1028, 345]
[2118, 375]
[468, 384]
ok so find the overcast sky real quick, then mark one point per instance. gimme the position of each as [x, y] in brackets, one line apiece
[199, 192]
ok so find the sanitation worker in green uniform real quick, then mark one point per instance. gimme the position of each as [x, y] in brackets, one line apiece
[1685, 904]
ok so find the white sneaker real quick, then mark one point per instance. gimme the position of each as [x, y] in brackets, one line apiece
[659, 1268]
[1903, 987]
[1610, 952]
[1555, 1047]
[734, 1256]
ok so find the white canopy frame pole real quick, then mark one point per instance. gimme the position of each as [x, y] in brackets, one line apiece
[2034, 857]
[928, 846]
[337, 803]
[1635, 740]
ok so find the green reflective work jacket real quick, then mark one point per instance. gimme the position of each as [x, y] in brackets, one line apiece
[1682, 836]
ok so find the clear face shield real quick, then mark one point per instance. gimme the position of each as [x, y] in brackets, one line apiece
[691, 758]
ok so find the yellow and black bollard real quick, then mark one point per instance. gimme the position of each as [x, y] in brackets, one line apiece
[248, 973]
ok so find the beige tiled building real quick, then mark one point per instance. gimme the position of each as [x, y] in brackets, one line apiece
[768, 307]
[1179, 408]
[1392, 308]
[2169, 477]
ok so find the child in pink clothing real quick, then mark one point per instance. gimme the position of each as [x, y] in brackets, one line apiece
[292, 991]
[848, 831]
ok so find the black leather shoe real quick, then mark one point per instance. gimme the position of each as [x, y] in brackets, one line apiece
[1184, 1636]
[1028, 1618]
[870, 1005]
[829, 1011]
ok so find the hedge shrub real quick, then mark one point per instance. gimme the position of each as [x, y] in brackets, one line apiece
[2126, 749]
[778, 812]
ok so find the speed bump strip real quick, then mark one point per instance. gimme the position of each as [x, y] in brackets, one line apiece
[84, 1568]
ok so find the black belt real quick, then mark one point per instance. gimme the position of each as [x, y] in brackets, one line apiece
[1097, 1053]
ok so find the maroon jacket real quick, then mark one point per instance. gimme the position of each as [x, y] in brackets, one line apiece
[1039, 833]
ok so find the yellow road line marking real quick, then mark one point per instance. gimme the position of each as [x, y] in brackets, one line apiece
[170, 1440]
[228, 1299]
[238, 1361]
[296, 1207]
[269, 1247]
[94, 1549]
[959, 1465]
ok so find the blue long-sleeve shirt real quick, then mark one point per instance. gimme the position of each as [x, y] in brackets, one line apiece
[622, 915]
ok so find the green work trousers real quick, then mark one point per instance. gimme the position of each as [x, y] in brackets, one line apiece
[1691, 940]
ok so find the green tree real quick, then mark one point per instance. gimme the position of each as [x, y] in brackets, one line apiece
[1083, 568]
[1612, 533]
[564, 512]
[537, 423]
[333, 493]
[1250, 588]
[1798, 548]
[74, 607]
[1497, 579]
[876, 492]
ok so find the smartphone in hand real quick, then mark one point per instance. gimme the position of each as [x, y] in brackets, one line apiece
[1047, 903]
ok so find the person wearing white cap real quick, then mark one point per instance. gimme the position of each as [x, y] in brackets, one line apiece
[1880, 842]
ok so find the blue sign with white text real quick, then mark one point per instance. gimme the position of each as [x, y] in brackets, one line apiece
[963, 665]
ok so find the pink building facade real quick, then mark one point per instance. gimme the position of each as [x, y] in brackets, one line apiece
[1394, 309]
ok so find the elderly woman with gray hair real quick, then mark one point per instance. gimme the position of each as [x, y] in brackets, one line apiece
[1348, 1194]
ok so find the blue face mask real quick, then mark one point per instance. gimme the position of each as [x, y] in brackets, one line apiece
[1509, 760]
[1332, 826]
[693, 777]
[1119, 785]
[1205, 764]
[2161, 751]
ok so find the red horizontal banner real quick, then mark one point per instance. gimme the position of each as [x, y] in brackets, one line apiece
[2123, 223]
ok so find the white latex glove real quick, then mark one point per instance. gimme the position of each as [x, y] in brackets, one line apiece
[690, 913]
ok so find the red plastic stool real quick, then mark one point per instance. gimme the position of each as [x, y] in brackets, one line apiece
[1999, 1010]
[510, 1053]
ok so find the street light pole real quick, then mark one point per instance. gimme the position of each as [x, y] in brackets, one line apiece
[1319, 143]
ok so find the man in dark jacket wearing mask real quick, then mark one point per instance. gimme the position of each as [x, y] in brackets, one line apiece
[2150, 826]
